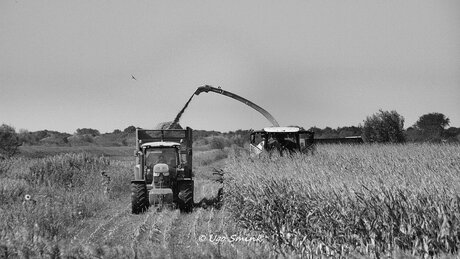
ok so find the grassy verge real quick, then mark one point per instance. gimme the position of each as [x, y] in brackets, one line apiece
[44, 200]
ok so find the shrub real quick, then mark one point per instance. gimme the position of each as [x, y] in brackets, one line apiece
[130, 129]
[9, 141]
[384, 127]
[88, 131]
[217, 143]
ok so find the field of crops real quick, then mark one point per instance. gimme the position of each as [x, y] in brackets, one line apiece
[362, 200]
[62, 206]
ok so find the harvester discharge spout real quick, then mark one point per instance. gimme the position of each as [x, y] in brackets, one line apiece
[208, 88]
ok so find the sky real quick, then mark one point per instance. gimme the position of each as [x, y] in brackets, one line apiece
[68, 64]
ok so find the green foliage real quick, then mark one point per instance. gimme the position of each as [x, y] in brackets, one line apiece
[65, 170]
[217, 143]
[81, 140]
[130, 129]
[200, 134]
[43, 200]
[373, 200]
[9, 141]
[43, 137]
[452, 134]
[88, 131]
[340, 132]
[432, 121]
[12, 190]
[384, 127]
[204, 158]
[431, 127]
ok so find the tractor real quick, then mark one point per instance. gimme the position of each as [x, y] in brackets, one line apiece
[163, 172]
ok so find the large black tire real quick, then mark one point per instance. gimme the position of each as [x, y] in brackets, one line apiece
[185, 196]
[139, 197]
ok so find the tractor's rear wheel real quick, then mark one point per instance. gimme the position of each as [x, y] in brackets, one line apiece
[185, 196]
[139, 197]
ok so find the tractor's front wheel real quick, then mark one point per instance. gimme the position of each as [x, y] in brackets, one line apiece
[139, 197]
[185, 196]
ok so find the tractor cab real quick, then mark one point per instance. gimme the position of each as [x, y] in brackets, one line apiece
[282, 139]
[163, 171]
[162, 160]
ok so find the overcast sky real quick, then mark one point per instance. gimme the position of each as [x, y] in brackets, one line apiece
[68, 64]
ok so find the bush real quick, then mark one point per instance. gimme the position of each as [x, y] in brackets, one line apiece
[217, 143]
[384, 127]
[9, 141]
[88, 131]
[130, 129]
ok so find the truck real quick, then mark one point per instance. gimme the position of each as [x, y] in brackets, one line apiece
[163, 172]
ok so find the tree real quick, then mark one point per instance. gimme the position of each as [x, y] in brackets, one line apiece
[349, 131]
[130, 129]
[9, 141]
[383, 127]
[329, 132]
[452, 134]
[316, 130]
[87, 131]
[432, 126]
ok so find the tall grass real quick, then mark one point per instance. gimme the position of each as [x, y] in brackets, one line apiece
[372, 200]
[204, 158]
[44, 200]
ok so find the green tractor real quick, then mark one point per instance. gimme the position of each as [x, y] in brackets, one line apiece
[163, 172]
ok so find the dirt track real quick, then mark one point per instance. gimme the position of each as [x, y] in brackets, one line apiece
[115, 231]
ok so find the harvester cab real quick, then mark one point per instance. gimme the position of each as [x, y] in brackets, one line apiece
[163, 172]
[282, 139]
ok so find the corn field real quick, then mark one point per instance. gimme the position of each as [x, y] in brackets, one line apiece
[344, 201]
[370, 200]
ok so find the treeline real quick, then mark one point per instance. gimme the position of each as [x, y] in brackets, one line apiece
[381, 127]
[340, 132]
[81, 137]
[388, 127]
